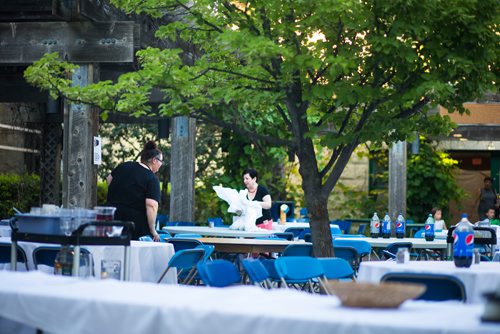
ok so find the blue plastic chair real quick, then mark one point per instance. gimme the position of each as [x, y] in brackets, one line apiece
[218, 273]
[298, 232]
[271, 269]
[46, 255]
[181, 244]
[5, 249]
[344, 225]
[305, 249]
[303, 212]
[257, 273]
[361, 229]
[285, 235]
[335, 230]
[336, 268]
[187, 235]
[161, 220]
[209, 250]
[217, 222]
[299, 271]
[183, 260]
[362, 247]
[439, 287]
[349, 254]
[163, 237]
[420, 233]
[180, 224]
[389, 253]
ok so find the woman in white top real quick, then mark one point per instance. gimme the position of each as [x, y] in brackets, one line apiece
[439, 223]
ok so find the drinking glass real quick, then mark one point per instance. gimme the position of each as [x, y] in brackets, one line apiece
[66, 223]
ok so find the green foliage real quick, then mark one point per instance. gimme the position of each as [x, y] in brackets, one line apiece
[431, 181]
[349, 202]
[102, 193]
[20, 191]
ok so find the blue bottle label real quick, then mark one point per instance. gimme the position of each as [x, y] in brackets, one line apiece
[429, 229]
[463, 244]
[400, 226]
[386, 227]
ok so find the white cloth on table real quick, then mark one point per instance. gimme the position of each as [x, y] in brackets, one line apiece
[478, 279]
[147, 259]
[69, 305]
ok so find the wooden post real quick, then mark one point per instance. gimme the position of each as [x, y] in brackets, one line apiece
[80, 126]
[397, 179]
[182, 169]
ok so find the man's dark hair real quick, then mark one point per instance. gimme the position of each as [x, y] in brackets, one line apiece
[252, 172]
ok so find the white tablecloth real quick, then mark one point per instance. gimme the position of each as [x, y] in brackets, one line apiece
[69, 305]
[147, 259]
[417, 242]
[477, 279]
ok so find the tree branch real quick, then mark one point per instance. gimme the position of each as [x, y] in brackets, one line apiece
[203, 115]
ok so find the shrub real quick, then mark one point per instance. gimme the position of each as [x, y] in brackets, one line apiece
[20, 191]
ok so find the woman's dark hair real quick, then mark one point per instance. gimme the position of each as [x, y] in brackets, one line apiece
[251, 172]
[150, 151]
[434, 210]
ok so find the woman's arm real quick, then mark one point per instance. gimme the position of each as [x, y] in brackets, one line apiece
[266, 202]
[151, 211]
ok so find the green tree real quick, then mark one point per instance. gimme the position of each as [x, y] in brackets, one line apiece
[293, 73]
[431, 181]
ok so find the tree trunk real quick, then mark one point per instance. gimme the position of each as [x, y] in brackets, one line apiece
[320, 227]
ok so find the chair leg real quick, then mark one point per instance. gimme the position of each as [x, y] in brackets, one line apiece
[163, 274]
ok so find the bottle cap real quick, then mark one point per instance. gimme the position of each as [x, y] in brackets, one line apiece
[464, 215]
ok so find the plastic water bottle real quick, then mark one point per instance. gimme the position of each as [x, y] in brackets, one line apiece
[63, 264]
[374, 226]
[400, 226]
[429, 228]
[386, 226]
[463, 244]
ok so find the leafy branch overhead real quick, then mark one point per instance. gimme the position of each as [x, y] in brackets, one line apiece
[294, 73]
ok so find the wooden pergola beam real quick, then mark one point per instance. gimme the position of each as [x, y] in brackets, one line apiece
[79, 42]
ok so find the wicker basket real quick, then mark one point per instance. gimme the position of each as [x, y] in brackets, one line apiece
[383, 295]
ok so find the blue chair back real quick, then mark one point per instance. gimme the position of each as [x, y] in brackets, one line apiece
[180, 224]
[305, 249]
[349, 254]
[5, 249]
[183, 260]
[361, 229]
[298, 232]
[181, 244]
[344, 225]
[46, 255]
[336, 268]
[303, 212]
[187, 235]
[163, 237]
[208, 249]
[298, 268]
[362, 247]
[420, 233]
[307, 237]
[218, 273]
[285, 235]
[439, 287]
[391, 249]
[335, 230]
[161, 220]
[271, 269]
[256, 272]
[217, 221]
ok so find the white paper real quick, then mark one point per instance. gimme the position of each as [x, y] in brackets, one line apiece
[248, 211]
